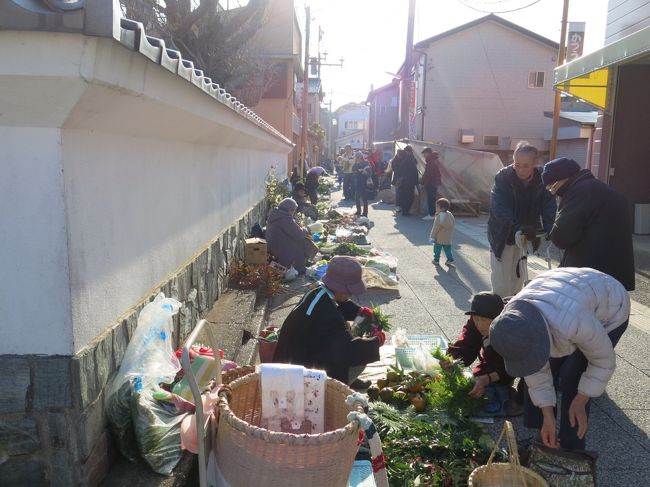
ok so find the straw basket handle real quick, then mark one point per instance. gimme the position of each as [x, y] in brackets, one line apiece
[513, 452]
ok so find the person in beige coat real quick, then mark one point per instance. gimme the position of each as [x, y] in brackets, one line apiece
[442, 231]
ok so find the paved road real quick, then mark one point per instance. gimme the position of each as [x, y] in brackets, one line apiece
[432, 300]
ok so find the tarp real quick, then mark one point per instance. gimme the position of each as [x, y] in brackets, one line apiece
[467, 175]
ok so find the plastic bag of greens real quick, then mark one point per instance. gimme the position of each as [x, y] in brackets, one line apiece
[149, 360]
[157, 430]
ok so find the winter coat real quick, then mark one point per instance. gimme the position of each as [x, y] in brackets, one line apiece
[515, 205]
[287, 242]
[443, 228]
[407, 182]
[471, 345]
[432, 176]
[316, 335]
[580, 306]
[593, 228]
[362, 171]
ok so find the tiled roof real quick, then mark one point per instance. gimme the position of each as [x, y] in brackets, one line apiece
[133, 37]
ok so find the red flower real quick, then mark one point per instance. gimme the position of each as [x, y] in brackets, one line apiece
[378, 463]
[366, 312]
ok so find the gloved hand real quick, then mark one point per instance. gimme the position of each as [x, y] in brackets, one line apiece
[365, 312]
[376, 332]
[520, 240]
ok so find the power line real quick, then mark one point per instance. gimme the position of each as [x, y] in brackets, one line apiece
[464, 3]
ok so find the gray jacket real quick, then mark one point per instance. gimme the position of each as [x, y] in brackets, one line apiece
[287, 242]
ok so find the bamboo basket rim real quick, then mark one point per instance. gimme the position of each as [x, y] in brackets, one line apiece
[526, 475]
[276, 437]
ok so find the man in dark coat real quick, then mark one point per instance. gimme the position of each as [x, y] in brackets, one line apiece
[316, 333]
[593, 224]
[518, 202]
[431, 179]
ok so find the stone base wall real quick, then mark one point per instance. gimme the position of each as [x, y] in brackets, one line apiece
[53, 427]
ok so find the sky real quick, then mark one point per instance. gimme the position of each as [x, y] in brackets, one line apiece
[371, 34]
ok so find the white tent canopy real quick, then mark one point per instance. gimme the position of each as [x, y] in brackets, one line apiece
[467, 175]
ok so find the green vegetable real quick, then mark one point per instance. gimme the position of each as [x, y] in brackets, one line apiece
[349, 249]
[427, 449]
[450, 393]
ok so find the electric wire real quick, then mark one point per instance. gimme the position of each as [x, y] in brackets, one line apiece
[466, 4]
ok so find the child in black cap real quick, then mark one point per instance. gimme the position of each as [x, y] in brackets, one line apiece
[490, 372]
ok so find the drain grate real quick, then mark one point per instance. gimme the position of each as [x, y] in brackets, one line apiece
[536, 266]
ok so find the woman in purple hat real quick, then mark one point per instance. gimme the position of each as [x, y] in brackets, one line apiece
[316, 333]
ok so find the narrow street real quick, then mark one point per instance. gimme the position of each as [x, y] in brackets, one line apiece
[433, 301]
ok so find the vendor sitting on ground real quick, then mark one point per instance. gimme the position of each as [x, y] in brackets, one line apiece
[286, 241]
[490, 372]
[316, 333]
[304, 206]
[559, 332]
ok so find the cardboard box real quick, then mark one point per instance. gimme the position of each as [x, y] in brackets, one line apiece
[256, 251]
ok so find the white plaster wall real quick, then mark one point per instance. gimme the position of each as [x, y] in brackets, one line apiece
[138, 170]
[138, 208]
[478, 79]
[34, 292]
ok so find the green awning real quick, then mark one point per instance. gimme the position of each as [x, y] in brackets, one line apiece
[587, 76]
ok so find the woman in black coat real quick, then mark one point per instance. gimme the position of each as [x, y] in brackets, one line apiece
[593, 224]
[316, 333]
[409, 178]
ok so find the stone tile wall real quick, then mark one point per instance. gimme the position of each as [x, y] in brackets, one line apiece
[53, 427]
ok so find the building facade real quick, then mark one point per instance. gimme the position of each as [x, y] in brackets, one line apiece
[279, 42]
[383, 118]
[352, 126]
[493, 99]
[615, 80]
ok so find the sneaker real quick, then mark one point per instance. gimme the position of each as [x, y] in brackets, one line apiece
[450, 262]
[435, 262]
[359, 384]
[428, 217]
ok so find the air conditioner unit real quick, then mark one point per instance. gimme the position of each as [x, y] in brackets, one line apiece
[466, 136]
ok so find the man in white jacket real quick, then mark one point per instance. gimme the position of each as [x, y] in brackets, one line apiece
[559, 332]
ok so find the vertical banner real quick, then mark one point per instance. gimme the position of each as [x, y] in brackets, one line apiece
[575, 40]
[412, 109]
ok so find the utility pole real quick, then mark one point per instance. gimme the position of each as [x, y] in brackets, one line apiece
[407, 77]
[560, 62]
[305, 95]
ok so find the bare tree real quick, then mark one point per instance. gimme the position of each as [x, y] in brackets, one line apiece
[215, 39]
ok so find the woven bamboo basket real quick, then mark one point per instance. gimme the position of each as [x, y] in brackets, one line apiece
[505, 474]
[250, 456]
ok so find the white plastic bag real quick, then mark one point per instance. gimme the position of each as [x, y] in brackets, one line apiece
[399, 339]
[423, 361]
[149, 360]
[291, 274]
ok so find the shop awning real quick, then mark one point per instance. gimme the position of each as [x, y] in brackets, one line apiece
[587, 76]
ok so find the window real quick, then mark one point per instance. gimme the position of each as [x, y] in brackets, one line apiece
[382, 109]
[490, 140]
[536, 79]
[352, 125]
